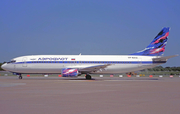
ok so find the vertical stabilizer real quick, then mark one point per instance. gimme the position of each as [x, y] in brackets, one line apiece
[157, 46]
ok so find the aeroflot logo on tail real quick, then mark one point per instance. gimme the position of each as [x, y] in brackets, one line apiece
[53, 58]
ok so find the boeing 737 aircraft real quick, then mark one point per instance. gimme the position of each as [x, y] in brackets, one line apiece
[76, 65]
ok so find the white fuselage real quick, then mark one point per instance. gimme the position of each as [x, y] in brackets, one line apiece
[49, 64]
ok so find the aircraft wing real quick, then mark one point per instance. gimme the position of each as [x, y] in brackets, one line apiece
[164, 58]
[96, 68]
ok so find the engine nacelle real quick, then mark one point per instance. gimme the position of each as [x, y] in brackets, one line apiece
[69, 72]
[14, 73]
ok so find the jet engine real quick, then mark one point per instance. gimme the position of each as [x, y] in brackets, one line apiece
[69, 72]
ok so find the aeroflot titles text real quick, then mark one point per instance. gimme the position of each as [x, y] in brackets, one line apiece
[53, 58]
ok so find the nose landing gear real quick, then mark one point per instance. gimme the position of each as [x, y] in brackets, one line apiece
[20, 76]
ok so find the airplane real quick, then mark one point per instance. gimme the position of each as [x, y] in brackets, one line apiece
[76, 65]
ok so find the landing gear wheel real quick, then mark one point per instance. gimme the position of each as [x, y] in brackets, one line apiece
[20, 77]
[88, 77]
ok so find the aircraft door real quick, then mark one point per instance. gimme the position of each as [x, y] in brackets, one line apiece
[24, 64]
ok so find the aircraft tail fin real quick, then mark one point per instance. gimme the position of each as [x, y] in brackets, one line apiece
[157, 46]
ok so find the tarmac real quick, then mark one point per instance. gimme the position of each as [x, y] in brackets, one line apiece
[107, 95]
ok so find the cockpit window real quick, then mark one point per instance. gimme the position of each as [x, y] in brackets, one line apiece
[12, 61]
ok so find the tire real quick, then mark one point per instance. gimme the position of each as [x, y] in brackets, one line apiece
[20, 77]
[88, 77]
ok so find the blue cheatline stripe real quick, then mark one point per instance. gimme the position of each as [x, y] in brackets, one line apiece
[94, 62]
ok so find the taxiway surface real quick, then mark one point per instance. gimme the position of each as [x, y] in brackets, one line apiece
[54, 95]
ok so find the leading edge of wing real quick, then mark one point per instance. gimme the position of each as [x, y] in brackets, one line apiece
[94, 68]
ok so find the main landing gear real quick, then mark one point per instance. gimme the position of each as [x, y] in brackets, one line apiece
[88, 77]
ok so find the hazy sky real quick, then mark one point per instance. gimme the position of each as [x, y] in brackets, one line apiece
[105, 27]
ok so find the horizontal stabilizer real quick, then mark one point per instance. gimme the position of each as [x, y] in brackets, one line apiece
[164, 58]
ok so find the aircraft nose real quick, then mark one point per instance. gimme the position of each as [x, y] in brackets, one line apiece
[4, 66]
